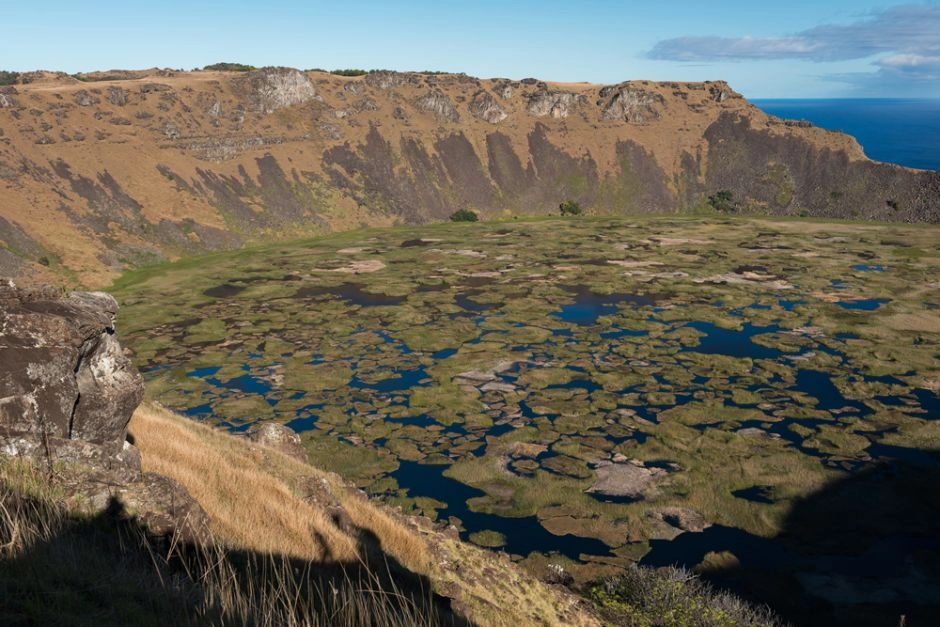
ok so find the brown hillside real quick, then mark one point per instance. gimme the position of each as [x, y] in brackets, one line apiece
[126, 168]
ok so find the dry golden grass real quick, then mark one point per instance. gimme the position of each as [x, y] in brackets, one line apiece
[47, 551]
[253, 497]
[248, 507]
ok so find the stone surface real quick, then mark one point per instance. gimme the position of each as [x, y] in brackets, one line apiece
[7, 101]
[270, 89]
[279, 437]
[681, 518]
[63, 373]
[437, 103]
[386, 80]
[558, 104]
[67, 392]
[84, 99]
[117, 96]
[630, 104]
[485, 107]
[165, 507]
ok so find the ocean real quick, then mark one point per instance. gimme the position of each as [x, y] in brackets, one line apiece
[902, 131]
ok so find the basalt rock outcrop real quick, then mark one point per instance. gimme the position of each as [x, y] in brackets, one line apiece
[67, 393]
[122, 169]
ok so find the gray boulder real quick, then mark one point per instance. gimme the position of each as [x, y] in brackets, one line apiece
[279, 437]
[63, 374]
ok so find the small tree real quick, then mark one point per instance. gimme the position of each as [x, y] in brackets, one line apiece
[463, 215]
[570, 208]
[723, 201]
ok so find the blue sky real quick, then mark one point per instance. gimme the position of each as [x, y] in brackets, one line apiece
[835, 48]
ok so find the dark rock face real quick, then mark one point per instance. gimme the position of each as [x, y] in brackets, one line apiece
[67, 392]
[63, 375]
[165, 508]
[781, 173]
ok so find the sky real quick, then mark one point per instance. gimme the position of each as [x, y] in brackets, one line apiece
[793, 49]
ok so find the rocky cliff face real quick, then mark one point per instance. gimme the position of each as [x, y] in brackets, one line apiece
[130, 168]
[67, 392]
[63, 374]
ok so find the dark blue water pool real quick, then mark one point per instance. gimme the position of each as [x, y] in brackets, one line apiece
[523, 535]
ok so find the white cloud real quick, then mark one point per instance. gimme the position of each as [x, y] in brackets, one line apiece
[912, 29]
[903, 43]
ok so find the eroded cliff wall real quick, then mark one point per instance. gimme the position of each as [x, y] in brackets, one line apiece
[101, 176]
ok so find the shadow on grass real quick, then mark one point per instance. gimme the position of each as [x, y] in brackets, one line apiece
[56, 569]
[863, 551]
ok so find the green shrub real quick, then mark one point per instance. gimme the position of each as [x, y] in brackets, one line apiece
[672, 597]
[570, 208]
[230, 67]
[723, 201]
[349, 72]
[8, 78]
[464, 215]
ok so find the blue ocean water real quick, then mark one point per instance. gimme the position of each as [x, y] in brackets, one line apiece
[902, 131]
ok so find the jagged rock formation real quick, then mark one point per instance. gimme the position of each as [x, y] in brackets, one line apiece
[485, 107]
[558, 104]
[126, 168]
[438, 104]
[275, 88]
[62, 371]
[624, 102]
[67, 392]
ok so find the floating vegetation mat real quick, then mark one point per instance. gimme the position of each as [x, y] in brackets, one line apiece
[586, 387]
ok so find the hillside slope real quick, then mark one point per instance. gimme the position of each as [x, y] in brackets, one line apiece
[260, 499]
[123, 169]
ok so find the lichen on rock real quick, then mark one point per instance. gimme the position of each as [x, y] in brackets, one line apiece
[63, 374]
[558, 104]
[437, 103]
[630, 104]
[273, 88]
[485, 107]
[279, 437]
[67, 393]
